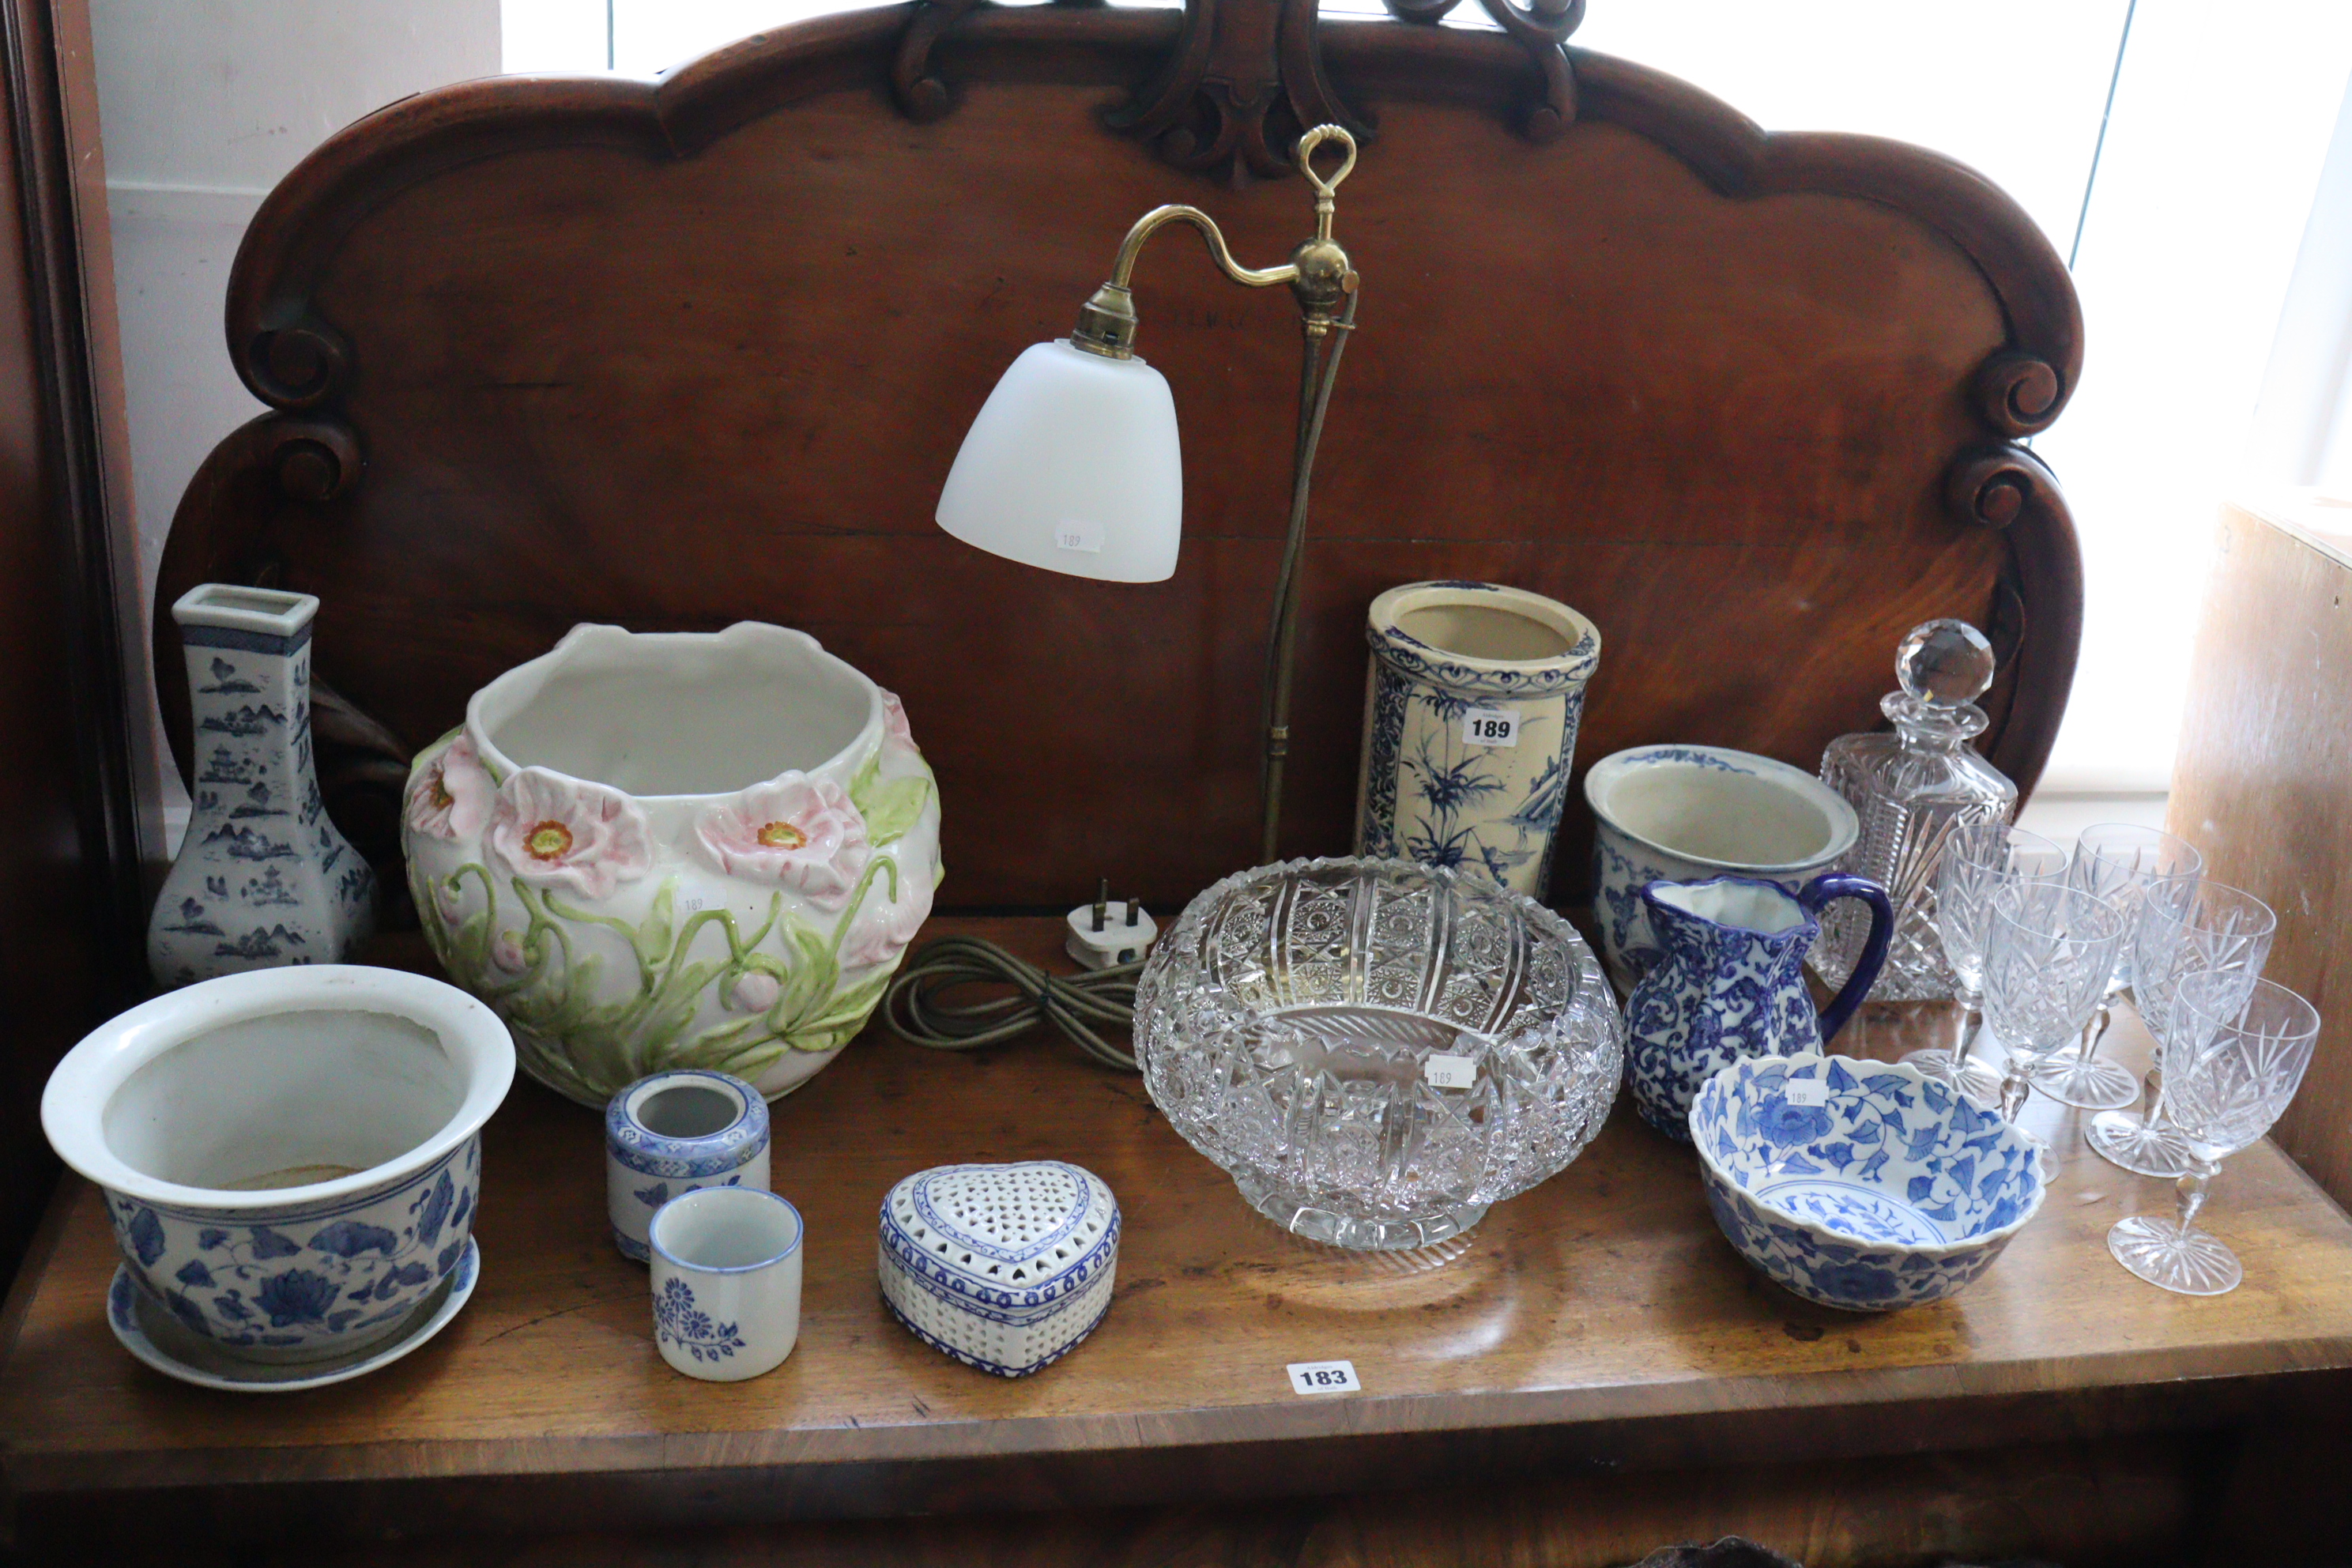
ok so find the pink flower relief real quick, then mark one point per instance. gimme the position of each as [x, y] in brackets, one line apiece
[881, 930]
[451, 797]
[551, 830]
[505, 951]
[798, 831]
[895, 731]
[754, 990]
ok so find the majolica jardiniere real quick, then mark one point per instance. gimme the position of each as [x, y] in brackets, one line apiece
[676, 850]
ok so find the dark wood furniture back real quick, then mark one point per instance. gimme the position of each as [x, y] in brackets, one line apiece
[674, 355]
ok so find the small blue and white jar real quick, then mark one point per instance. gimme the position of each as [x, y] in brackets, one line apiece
[678, 1133]
[1470, 720]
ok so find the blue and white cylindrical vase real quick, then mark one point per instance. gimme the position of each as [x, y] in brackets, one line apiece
[1470, 720]
[678, 1133]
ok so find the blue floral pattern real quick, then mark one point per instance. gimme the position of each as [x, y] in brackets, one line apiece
[1895, 1192]
[679, 1320]
[298, 1277]
[1723, 991]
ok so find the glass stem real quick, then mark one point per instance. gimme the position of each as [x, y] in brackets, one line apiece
[2015, 1086]
[2192, 1188]
[2154, 1087]
[1971, 1022]
[2097, 1031]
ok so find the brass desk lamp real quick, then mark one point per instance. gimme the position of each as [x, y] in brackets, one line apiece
[1027, 484]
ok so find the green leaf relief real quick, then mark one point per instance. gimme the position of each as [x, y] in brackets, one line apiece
[889, 809]
[596, 1046]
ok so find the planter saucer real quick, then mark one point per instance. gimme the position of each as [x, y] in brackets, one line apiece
[171, 1349]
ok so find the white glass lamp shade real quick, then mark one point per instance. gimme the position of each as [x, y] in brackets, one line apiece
[1073, 466]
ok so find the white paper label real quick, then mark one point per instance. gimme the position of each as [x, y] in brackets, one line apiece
[1806, 1092]
[1490, 727]
[1450, 1072]
[1084, 536]
[1324, 1377]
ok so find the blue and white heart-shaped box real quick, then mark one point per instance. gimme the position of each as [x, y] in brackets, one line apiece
[1005, 1268]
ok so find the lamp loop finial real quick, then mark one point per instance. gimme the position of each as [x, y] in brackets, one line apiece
[1313, 139]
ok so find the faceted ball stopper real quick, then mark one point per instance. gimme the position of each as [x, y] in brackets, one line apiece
[1944, 663]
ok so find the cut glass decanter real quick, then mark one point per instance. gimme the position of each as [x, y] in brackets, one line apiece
[1912, 786]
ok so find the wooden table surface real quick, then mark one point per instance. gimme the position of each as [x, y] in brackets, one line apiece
[1599, 1320]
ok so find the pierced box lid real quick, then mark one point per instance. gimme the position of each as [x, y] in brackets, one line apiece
[1018, 1238]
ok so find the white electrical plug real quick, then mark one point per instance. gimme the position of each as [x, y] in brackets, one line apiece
[1105, 934]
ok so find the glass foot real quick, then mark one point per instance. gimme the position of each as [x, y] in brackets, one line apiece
[1979, 1079]
[2163, 1253]
[2125, 1138]
[2093, 1085]
[1301, 1217]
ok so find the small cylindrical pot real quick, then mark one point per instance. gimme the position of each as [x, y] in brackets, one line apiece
[726, 1283]
[674, 1133]
[1470, 718]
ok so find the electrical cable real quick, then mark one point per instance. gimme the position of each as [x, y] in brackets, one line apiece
[914, 1010]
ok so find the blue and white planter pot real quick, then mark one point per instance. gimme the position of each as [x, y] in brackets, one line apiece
[1861, 1184]
[674, 1133]
[1470, 720]
[292, 1158]
[322, 1279]
[1686, 814]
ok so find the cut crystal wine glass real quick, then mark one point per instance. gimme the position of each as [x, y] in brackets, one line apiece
[2049, 949]
[2234, 1060]
[2116, 860]
[2185, 925]
[1980, 859]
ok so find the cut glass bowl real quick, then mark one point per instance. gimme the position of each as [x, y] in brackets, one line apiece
[1299, 1024]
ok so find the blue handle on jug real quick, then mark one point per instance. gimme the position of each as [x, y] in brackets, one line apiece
[1825, 889]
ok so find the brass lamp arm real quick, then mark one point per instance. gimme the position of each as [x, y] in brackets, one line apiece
[1123, 269]
[1318, 272]
[1107, 321]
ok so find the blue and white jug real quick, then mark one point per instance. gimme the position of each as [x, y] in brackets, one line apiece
[1732, 983]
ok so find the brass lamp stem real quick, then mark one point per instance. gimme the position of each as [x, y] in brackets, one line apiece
[1325, 285]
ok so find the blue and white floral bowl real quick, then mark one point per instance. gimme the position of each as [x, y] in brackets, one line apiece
[292, 1158]
[1861, 1184]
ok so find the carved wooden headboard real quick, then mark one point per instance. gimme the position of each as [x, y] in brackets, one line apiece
[677, 353]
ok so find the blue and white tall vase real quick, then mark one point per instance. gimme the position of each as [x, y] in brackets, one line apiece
[263, 878]
[1470, 720]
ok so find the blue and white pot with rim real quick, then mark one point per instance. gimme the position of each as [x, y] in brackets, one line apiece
[1684, 813]
[1470, 718]
[291, 1157]
[674, 1133]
